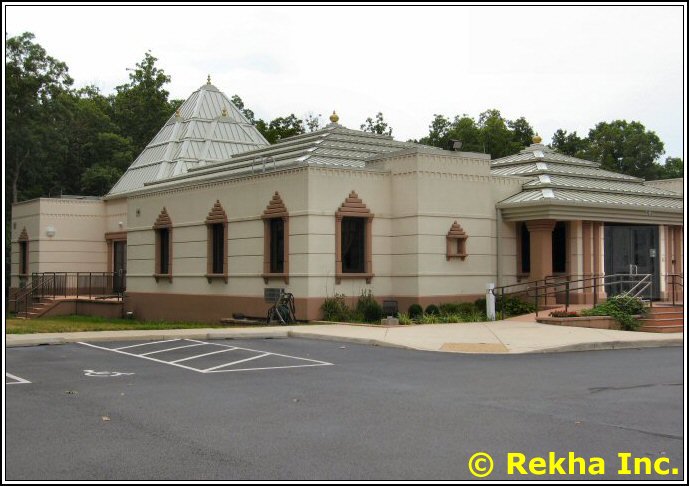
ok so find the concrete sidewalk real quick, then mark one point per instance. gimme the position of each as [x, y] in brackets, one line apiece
[497, 337]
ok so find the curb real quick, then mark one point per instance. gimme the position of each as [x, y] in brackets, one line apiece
[217, 335]
[352, 340]
[32, 341]
[601, 346]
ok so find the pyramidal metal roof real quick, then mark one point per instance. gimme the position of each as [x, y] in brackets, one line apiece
[556, 178]
[206, 129]
[333, 146]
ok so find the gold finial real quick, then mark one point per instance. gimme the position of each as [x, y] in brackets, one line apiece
[536, 139]
[224, 111]
[178, 113]
[208, 81]
[334, 118]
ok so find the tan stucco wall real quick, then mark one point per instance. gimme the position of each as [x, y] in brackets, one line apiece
[78, 244]
[414, 197]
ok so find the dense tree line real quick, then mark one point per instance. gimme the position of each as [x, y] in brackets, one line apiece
[619, 146]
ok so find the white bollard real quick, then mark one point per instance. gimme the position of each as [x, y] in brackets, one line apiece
[490, 301]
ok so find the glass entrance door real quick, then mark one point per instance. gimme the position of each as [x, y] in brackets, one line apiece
[632, 249]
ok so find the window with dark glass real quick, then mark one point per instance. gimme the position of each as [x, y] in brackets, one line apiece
[277, 245]
[23, 257]
[560, 247]
[353, 245]
[218, 248]
[526, 249]
[164, 250]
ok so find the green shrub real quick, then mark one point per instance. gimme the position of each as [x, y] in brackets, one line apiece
[622, 308]
[457, 308]
[367, 306]
[335, 309]
[404, 318]
[433, 310]
[452, 318]
[476, 316]
[514, 306]
[415, 311]
[430, 319]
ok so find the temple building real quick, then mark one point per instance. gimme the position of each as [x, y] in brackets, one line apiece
[210, 215]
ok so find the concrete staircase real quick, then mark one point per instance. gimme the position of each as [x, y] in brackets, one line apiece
[663, 318]
[37, 308]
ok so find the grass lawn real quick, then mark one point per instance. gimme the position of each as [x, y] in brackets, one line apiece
[90, 323]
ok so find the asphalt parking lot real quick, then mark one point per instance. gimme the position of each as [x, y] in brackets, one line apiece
[300, 409]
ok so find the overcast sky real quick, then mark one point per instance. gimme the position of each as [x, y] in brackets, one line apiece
[560, 67]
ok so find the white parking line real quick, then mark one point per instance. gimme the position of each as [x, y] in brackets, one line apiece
[139, 356]
[236, 362]
[17, 380]
[146, 344]
[201, 355]
[171, 349]
[214, 369]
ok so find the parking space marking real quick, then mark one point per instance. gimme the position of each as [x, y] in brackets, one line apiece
[221, 368]
[170, 349]
[236, 362]
[139, 356]
[17, 380]
[146, 344]
[202, 355]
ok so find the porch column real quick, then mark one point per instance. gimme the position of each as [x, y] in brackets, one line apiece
[541, 242]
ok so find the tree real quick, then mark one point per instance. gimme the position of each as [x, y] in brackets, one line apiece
[312, 122]
[522, 131]
[280, 127]
[99, 179]
[248, 114]
[378, 126]
[672, 169]
[625, 147]
[569, 143]
[32, 80]
[141, 106]
[491, 134]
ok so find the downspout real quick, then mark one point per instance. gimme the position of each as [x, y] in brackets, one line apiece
[498, 246]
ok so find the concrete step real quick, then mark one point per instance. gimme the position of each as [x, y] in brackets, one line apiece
[662, 322]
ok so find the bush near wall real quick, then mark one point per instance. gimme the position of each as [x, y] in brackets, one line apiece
[335, 309]
[624, 309]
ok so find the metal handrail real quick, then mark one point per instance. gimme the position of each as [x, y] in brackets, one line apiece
[677, 280]
[91, 285]
[549, 287]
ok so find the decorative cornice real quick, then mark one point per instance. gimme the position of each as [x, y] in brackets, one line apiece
[354, 206]
[163, 220]
[456, 231]
[276, 208]
[217, 214]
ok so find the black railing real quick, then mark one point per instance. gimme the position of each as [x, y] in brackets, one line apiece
[562, 286]
[82, 285]
[673, 282]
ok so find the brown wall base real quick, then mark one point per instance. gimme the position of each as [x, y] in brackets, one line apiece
[109, 310]
[212, 308]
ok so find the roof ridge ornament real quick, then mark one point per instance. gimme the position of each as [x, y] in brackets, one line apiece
[536, 139]
[208, 80]
[334, 118]
[224, 111]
